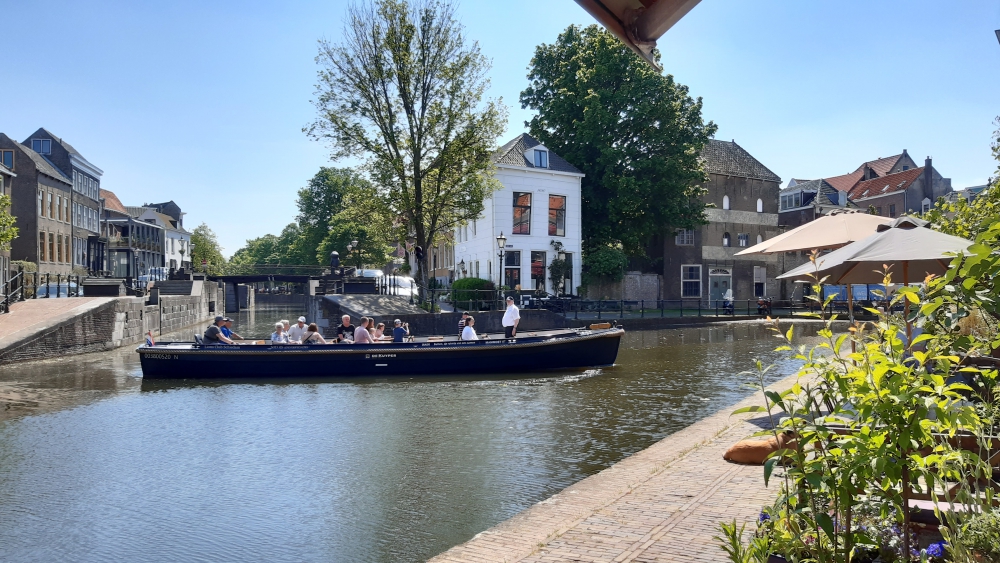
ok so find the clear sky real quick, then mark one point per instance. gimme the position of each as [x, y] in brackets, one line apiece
[203, 102]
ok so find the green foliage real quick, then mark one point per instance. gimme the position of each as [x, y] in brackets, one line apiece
[469, 293]
[207, 249]
[403, 89]
[23, 265]
[606, 262]
[636, 134]
[731, 542]
[981, 535]
[319, 202]
[8, 232]
[559, 269]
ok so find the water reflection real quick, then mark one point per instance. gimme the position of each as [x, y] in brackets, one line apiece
[307, 471]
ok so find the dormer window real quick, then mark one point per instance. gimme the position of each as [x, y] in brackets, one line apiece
[41, 146]
[541, 159]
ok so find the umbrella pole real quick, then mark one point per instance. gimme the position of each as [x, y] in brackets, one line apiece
[850, 312]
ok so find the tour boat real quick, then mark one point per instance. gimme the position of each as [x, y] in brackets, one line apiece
[595, 346]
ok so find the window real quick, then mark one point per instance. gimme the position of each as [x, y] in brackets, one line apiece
[759, 280]
[725, 202]
[52, 210]
[557, 216]
[512, 269]
[52, 247]
[537, 270]
[41, 246]
[59, 248]
[41, 146]
[65, 209]
[7, 158]
[568, 282]
[925, 205]
[892, 210]
[522, 213]
[743, 238]
[906, 167]
[66, 254]
[725, 239]
[41, 203]
[760, 205]
[878, 211]
[691, 280]
[541, 159]
[684, 237]
[760, 239]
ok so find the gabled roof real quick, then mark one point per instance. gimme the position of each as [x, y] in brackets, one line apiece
[730, 159]
[829, 195]
[112, 202]
[135, 210]
[845, 182]
[42, 164]
[512, 154]
[69, 148]
[886, 184]
[881, 166]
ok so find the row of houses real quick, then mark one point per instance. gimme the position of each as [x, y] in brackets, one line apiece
[539, 204]
[69, 224]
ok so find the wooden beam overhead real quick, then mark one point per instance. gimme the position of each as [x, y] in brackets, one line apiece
[638, 23]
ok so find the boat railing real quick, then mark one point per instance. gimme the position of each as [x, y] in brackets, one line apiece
[641, 308]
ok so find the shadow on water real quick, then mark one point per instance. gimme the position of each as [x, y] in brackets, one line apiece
[379, 470]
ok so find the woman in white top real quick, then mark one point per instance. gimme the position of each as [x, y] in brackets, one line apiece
[279, 336]
[361, 334]
[469, 333]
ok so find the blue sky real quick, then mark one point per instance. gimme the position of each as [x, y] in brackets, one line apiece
[203, 102]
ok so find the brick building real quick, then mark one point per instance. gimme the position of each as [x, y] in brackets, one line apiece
[6, 177]
[88, 249]
[701, 263]
[41, 197]
[892, 195]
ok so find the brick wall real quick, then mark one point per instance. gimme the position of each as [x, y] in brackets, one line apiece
[121, 322]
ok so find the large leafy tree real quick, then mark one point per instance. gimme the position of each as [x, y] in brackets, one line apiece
[318, 203]
[206, 249]
[403, 89]
[635, 133]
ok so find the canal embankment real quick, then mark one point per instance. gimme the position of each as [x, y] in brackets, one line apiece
[48, 328]
[663, 503]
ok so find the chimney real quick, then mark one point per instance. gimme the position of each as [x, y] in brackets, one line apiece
[928, 179]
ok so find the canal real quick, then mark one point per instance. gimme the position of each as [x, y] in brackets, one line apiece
[97, 466]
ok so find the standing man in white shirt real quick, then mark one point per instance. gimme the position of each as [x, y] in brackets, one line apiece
[510, 319]
[297, 331]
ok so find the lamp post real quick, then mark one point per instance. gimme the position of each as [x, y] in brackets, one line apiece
[357, 254]
[501, 246]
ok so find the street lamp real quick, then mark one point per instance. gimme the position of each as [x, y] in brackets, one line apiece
[501, 246]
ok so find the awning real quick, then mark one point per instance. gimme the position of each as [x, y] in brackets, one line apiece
[638, 23]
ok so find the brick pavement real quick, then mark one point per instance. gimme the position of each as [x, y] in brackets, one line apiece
[661, 504]
[35, 315]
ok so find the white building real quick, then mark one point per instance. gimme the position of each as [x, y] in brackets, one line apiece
[176, 240]
[539, 203]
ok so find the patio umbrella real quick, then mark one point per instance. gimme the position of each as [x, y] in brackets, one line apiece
[829, 231]
[905, 246]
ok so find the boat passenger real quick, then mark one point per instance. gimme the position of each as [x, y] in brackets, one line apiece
[469, 332]
[345, 330]
[285, 322]
[399, 331]
[461, 323]
[279, 336]
[379, 331]
[227, 329]
[213, 335]
[361, 334]
[297, 331]
[312, 335]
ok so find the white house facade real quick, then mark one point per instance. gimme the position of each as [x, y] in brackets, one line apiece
[176, 240]
[538, 204]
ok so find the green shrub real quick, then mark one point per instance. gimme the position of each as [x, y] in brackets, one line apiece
[981, 534]
[468, 293]
[15, 265]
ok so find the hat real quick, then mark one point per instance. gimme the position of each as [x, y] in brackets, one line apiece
[397, 321]
[465, 313]
[227, 319]
[509, 298]
[219, 319]
[302, 319]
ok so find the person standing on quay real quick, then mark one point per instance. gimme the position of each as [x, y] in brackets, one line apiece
[461, 323]
[510, 319]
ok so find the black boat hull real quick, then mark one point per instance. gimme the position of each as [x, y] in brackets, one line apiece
[530, 354]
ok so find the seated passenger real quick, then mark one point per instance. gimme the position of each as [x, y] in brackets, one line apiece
[361, 334]
[297, 331]
[312, 335]
[379, 331]
[214, 336]
[399, 332]
[345, 330]
[227, 329]
[469, 333]
[279, 336]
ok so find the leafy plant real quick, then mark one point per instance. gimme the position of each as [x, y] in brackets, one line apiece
[731, 541]
[981, 535]
[468, 293]
[559, 268]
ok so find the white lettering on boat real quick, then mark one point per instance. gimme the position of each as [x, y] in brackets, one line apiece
[162, 356]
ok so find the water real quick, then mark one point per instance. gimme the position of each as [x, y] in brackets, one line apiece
[96, 466]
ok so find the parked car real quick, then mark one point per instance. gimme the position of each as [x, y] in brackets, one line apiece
[400, 285]
[64, 289]
[370, 273]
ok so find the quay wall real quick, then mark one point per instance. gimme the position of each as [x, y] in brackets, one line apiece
[118, 322]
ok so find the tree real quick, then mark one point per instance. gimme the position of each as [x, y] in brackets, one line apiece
[404, 90]
[318, 203]
[8, 232]
[636, 134]
[968, 219]
[206, 249]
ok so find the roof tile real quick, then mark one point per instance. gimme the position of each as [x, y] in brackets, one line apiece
[886, 184]
[512, 154]
[730, 159]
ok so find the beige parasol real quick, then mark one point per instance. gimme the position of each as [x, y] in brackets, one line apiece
[829, 231]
